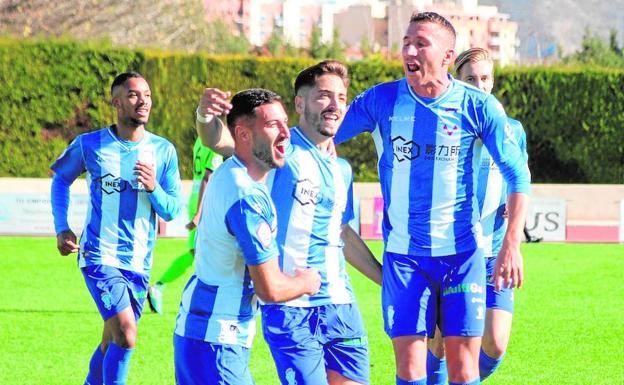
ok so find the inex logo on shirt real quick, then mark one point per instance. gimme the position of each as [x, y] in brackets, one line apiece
[110, 184]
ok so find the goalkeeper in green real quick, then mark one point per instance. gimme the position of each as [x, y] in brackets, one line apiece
[205, 161]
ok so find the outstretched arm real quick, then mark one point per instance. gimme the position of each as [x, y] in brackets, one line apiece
[359, 255]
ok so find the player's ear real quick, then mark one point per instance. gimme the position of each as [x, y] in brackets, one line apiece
[449, 57]
[115, 102]
[242, 133]
[299, 104]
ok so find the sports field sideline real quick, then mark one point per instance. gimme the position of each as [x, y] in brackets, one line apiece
[568, 326]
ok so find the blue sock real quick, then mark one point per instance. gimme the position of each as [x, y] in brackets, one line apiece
[116, 364]
[422, 381]
[94, 377]
[487, 364]
[436, 370]
[473, 382]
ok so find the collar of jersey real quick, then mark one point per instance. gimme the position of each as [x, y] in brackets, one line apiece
[297, 131]
[431, 102]
[124, 145]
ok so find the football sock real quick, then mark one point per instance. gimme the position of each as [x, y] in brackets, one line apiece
[473, 382]
[94, 377]
[422, 381]
[177, 268]
[116, 364]
[487, 364]
[436, 370]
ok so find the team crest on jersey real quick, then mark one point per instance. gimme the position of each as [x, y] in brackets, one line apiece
[450, 130]
[405, 149]
[264, 234]
[307, 192]
[111, 184]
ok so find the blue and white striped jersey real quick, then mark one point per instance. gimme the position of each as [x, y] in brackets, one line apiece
[313, 195]
[492, 195]
[120, 227]
[237, 228]
[429, 151]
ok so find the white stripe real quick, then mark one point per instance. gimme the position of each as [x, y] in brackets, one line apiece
[142, 217]
[337, 288]
[301, 222]
[444, 189]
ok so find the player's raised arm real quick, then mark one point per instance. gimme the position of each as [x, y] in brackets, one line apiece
[213, 133]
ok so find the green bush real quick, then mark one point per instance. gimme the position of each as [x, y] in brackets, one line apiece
[54, 90]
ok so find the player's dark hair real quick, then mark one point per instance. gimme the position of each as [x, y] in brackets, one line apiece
[121, 79]
[432, 17]
[245, 102]
[309, 76]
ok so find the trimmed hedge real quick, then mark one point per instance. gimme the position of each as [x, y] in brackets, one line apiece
[54, 90]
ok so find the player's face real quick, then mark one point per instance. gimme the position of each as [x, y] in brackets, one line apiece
[270, 135]
[133, 102]
[427, 53]
[324, 106]
[479, 74]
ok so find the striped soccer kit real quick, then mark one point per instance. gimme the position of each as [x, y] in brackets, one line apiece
[429, 152]
[313, 196]
[120, 227]
[237, 228]
[492, 195]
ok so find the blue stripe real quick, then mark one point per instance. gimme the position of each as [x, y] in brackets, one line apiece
[284, 185]
[96, 220]
[386, 159]
[200, 309]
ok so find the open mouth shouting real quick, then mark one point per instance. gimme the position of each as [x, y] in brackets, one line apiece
[412, 66]
[280, 147]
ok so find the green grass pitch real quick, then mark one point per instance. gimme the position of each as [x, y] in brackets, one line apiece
[568, 326]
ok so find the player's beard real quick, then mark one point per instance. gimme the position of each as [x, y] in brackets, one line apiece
[263, 151]
[316, 122]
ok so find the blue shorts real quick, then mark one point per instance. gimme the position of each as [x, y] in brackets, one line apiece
[306, 342]
[502, 300]
[418, 292]
[115, 289]
[204, 363]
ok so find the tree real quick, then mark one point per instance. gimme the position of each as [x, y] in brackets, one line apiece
[335, 50]
[365, 46]
[317, 49]
[594, 51]
[320, 50]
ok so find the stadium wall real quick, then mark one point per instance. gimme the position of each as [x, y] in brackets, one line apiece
[559, 212]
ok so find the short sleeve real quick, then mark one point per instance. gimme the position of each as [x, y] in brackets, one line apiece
[251, 220]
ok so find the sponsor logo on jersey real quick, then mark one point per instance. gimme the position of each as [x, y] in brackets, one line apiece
[405, 149]
[410, 118]
[111, 184]
[306, 192]
[469, 287]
